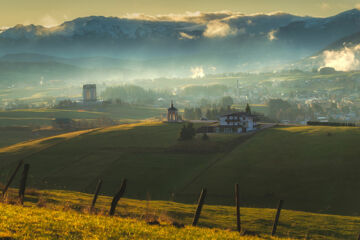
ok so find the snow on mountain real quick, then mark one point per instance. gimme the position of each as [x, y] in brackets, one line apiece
[223, 39]
[134, 28]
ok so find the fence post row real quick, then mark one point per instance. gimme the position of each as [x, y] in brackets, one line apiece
[121, 192]
[277, 217]
[237, 201]
[98, 187]
[23, 183]
[12, 177]
[199, 207]
[117, 197]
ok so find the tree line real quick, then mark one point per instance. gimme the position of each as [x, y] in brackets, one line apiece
[211, 113]
[133, 94]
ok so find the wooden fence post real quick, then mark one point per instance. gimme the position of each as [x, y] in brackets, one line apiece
[277, 217]
[23, 183]
[237, 201]
[199, 207]
[12, 177]
[117, 197]
[97, 190]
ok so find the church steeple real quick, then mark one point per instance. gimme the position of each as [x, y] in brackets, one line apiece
[172, 115]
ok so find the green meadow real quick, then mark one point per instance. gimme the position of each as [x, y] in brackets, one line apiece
[44, 116]
[311, 168]
[28, 124]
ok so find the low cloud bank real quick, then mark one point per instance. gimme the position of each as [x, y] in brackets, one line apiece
[197, 72]
[219, 29]
[346, 59]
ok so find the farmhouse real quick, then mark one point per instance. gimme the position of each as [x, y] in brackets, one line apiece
[237, 122]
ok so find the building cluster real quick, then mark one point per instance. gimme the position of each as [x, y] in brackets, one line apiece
[236, 122]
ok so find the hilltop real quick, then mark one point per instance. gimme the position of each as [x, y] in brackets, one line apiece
[310, 167]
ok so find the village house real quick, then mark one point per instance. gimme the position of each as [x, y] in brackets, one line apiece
[237, 122]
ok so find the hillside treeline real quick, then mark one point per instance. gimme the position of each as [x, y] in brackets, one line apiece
[196, 91]
[212, 113]
[133, 94]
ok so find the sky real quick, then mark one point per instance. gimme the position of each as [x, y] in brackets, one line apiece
[54, 12]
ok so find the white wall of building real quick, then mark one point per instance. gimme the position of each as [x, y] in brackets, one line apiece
[244, 121]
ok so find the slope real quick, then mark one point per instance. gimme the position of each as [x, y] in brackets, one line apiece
[64, 214]
[147, 153]
[311, 168]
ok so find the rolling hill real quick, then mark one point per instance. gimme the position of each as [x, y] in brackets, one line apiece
[312, 168]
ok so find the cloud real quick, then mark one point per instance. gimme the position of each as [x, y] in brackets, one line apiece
[197, 17]
[217, 28]
[272, 35]
[212, 68]
[357, 6]
[186, 36]
[3, 28]
[346, 59]
[197, 72]
[49, 21]
[324, 6]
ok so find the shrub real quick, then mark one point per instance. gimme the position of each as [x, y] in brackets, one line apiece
[187, 132]
[205, 137]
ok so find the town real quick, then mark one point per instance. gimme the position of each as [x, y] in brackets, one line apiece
[294, 97]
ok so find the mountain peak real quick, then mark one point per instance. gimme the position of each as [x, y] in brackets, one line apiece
[349, 13]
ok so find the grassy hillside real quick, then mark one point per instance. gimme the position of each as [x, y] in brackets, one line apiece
[29, 124]
[35, 223]
[44, 116]
[148, 154]
[64, 214]
[311, 168]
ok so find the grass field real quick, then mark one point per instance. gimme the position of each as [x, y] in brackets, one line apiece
[53, 214]
[145, 153]
[35, 223]
[41, 117]
[29, 124]
[311, 168]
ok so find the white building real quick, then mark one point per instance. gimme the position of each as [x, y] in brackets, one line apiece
[237, 123]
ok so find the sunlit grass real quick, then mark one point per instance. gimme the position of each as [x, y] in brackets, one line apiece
[34, 223]
[42, 143]
[47, 213]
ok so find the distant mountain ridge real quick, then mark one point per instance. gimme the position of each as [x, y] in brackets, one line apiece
[225, 41]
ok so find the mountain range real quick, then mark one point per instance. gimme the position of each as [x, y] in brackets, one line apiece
[167, 46]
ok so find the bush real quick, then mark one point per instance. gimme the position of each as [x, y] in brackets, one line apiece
[226, 101]
[187, 132]
[205, 137]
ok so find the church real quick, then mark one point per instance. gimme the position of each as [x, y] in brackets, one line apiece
[172, 115]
